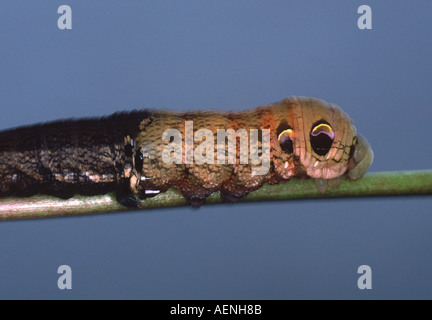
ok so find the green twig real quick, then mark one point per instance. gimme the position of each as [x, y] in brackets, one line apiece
[372, 184]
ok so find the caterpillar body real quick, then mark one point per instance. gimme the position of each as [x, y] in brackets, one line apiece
[127, 152]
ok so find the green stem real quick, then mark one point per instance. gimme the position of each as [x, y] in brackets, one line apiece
[372, 184]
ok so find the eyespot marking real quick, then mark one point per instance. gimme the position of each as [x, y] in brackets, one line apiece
[321, 137]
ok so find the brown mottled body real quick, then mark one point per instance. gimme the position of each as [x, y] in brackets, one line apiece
[197, 181]
[123, 152]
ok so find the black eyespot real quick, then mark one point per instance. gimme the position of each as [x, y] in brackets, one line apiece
[321, 137]
[138, 161]
[285, 136]
[282, 127]
[285, 141]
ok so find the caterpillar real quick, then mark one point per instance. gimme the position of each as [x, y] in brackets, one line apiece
[142, 153]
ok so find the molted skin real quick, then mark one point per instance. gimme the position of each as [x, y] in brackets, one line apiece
[123, 153]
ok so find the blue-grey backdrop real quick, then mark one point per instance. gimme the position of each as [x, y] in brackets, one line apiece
[225, 55]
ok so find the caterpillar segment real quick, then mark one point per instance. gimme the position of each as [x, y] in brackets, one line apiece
[142, 153]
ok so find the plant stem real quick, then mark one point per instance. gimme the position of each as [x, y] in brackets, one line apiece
[372, 184]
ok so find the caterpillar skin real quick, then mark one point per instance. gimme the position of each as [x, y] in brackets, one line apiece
[309, 138]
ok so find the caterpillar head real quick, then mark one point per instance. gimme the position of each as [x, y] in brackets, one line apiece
[318, 140]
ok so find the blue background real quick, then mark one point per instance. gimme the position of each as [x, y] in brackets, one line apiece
[226, 55]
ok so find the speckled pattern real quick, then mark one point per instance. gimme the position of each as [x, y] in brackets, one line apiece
[123, 153]
[62, 158]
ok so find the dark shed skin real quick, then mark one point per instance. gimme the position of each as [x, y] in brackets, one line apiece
[122, 153]
[63, 158]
